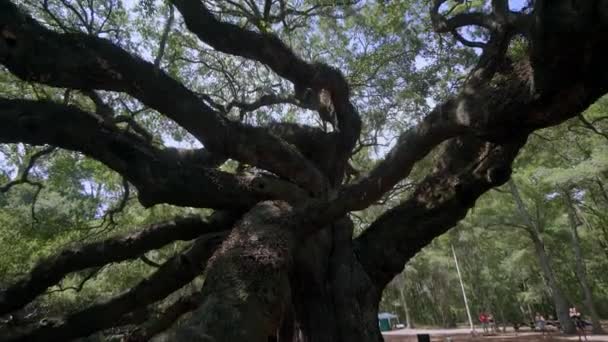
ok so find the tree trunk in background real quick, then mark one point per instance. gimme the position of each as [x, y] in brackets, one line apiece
[408, 322]
[580, 267]
[401, 286]
[559, 300]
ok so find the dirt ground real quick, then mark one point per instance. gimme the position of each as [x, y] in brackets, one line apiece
[458, 335]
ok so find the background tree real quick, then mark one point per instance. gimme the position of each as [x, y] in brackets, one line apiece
[209, 106]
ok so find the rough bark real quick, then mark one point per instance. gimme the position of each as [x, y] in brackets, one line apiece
[246, 286]
[534, 231]
[332, 298]
[580, 267]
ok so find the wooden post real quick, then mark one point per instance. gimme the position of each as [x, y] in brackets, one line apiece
[464, 295]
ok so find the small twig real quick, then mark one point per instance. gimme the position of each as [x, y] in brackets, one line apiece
[590, 126]
[80, 285]
[23, 178]
[149, 262]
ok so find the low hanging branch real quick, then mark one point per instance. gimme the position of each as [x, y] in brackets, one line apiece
[50, 271]
[172, 275]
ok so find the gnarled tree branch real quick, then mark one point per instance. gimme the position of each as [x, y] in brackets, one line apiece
[161, 176]
[271, 51]
[468, 168]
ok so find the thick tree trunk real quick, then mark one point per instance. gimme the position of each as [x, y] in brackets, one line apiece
[246, 287]
[332, 298]
[250, 295]
[580, 267]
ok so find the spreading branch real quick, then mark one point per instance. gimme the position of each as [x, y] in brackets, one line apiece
[462, 114]
[85, 62]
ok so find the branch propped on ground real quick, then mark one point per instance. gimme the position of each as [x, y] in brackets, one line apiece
[172, 275]
[84, 62]
[171, 176]
[152, 321]
[50, 271]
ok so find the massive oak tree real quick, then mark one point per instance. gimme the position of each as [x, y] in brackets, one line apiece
[278, 253]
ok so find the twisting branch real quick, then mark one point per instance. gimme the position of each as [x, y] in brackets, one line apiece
[24, 179]
[49, 271]
[179, 177]
[271, 51]
[468, 168]
[501, 24]
[109, 215]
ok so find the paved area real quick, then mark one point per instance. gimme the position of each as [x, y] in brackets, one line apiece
[464, 334]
